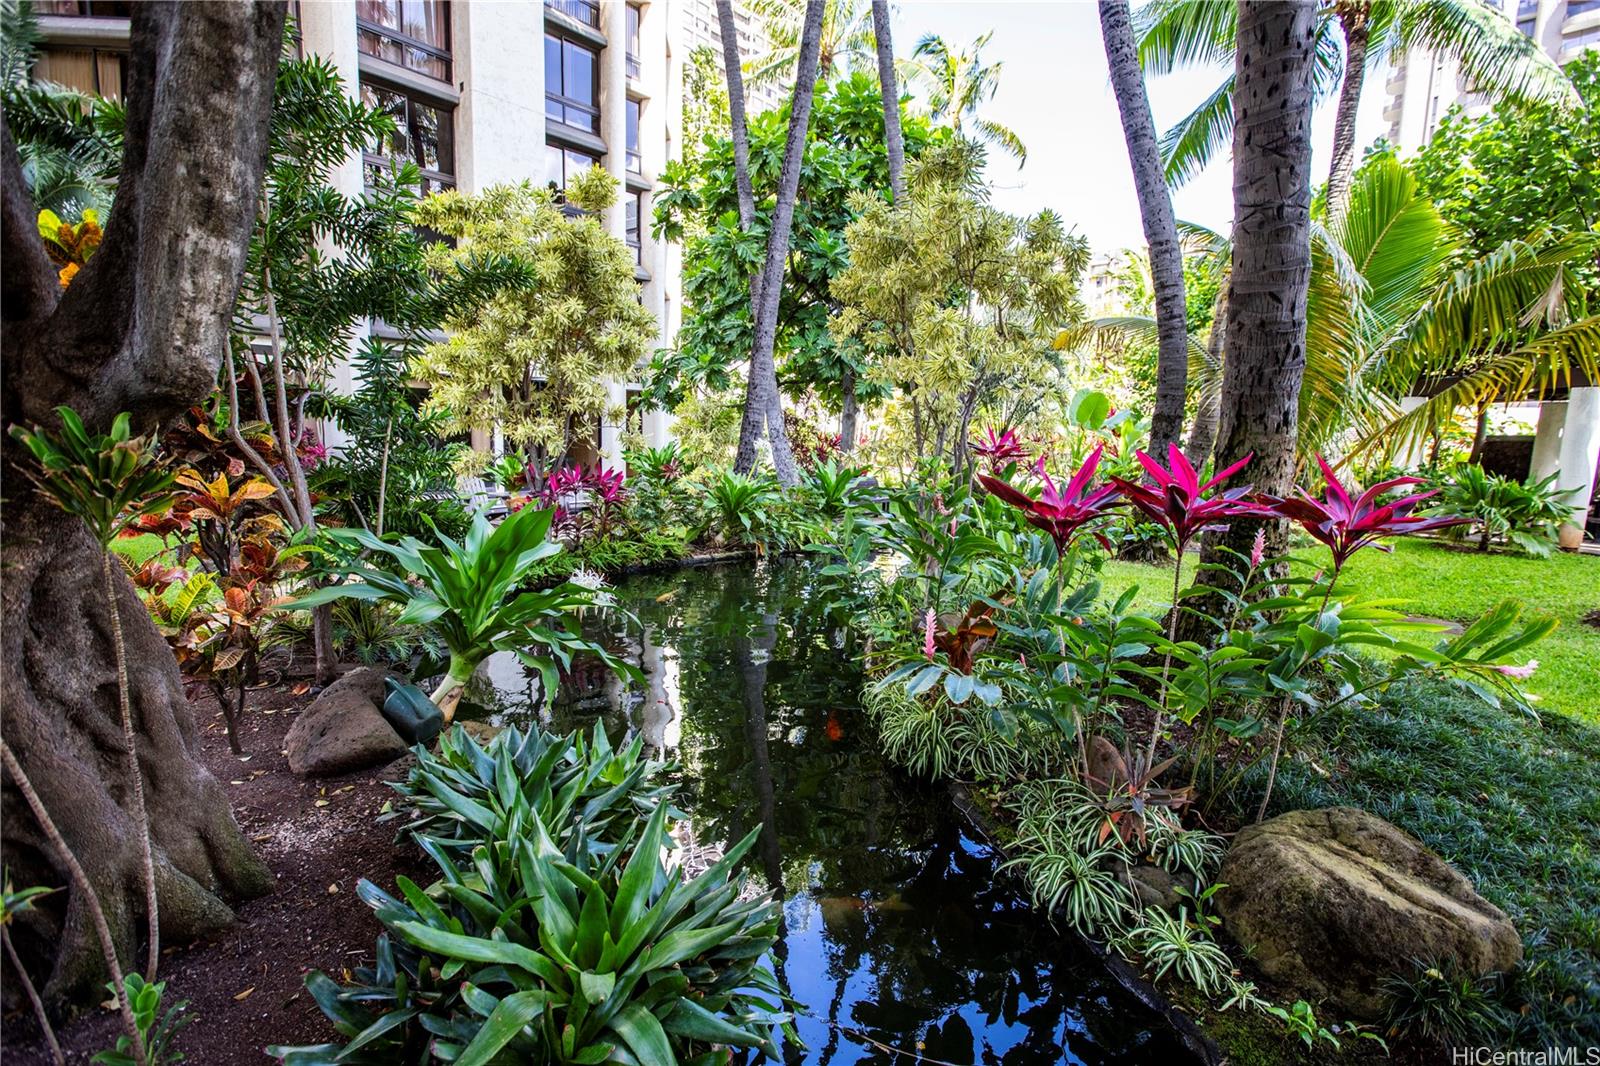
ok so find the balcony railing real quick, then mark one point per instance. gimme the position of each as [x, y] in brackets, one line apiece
[584, 11]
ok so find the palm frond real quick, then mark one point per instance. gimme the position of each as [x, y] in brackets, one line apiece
[1496, 58]
[1181, 33]
[1200, 135]
[1003, 136]
[1547, 362]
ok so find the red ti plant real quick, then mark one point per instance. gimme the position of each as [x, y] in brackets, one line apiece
[1178, 502]
[1346, 525]
[1061, 512]
[1000, 450]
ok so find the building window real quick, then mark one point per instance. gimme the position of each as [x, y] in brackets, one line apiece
[635, 158]
[584, 11]
[424, 134]
[1578, 7]
[564, 164]
[571, 83]
[95, 71]
[414, 34]
[635, 211]
[633, 42]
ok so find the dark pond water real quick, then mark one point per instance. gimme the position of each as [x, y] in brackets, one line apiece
[898, 933]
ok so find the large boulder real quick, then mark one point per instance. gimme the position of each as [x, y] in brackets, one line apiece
[343, 729]
[1332, 901]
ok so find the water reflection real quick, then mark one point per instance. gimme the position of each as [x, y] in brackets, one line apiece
[897, 933]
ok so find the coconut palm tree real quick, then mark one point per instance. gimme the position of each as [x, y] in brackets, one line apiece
[846, 44]
[955, 84]
[1352, 36]
[1394, 307]
[1160, 226]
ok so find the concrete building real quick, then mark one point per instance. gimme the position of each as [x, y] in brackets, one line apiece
[484, 92]
[1423, 86]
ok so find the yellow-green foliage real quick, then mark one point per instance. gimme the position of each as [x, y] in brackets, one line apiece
[536, 359]
[707, 425]
[960, 301]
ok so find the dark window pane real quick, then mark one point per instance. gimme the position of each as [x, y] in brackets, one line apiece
[578, 75]
[414, 34]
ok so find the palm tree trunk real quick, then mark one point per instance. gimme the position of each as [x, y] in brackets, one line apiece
[1203, 430]
[1353, 20]
[1160, 227]
[1266, 337]
[761, 388]
[893, 140]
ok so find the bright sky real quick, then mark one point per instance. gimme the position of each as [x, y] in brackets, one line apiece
[1055, 92]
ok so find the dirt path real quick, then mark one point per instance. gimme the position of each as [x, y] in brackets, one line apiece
[319, 836]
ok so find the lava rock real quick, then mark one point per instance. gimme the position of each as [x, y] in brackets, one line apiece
[1331, 901]
[343, 728]
[1155, 887]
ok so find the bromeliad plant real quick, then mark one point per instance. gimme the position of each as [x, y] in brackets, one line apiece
[559, 943]
[465, 793]
[467, 593]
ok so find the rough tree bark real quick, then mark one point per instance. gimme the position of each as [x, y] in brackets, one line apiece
[1266, 338]
[762, 401]
[1355, 22]
[1160, 227]
[141, 329]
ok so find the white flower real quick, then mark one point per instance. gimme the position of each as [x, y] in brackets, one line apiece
[585, 578]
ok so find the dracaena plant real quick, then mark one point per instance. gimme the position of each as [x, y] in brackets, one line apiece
[107, 480]
[1000, 450]
[1347, 520]
[560, 942]
[468, 594]
[1062, 512]
[1179, 503]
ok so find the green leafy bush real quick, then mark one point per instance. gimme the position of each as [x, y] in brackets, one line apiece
[1526, 515]
[564, 941]
[464, 793]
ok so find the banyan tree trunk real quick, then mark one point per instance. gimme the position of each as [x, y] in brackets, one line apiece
[141, 328]
[61, 720]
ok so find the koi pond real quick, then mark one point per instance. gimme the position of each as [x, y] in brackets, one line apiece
[902, 943]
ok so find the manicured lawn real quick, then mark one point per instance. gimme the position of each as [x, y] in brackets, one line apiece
[1438, 582]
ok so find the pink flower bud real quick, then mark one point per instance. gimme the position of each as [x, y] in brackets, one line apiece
[1259, 548]
[1519, 673]
[927, 634]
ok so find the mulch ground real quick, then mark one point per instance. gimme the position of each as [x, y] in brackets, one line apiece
[319, 836]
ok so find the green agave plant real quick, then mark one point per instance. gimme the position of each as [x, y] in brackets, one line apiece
[589, 952]
[466, 794]
[466, 592]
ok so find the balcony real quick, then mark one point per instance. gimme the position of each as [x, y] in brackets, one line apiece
[584, 12]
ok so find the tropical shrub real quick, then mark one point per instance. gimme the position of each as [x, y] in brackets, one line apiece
[467, 594]
[157, 1027]
[739, 508]
[466, 793]
[1526, 515]
[529, 950]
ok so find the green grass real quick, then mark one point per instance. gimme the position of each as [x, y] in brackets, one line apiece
[1514, 804]
[1439, 582]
